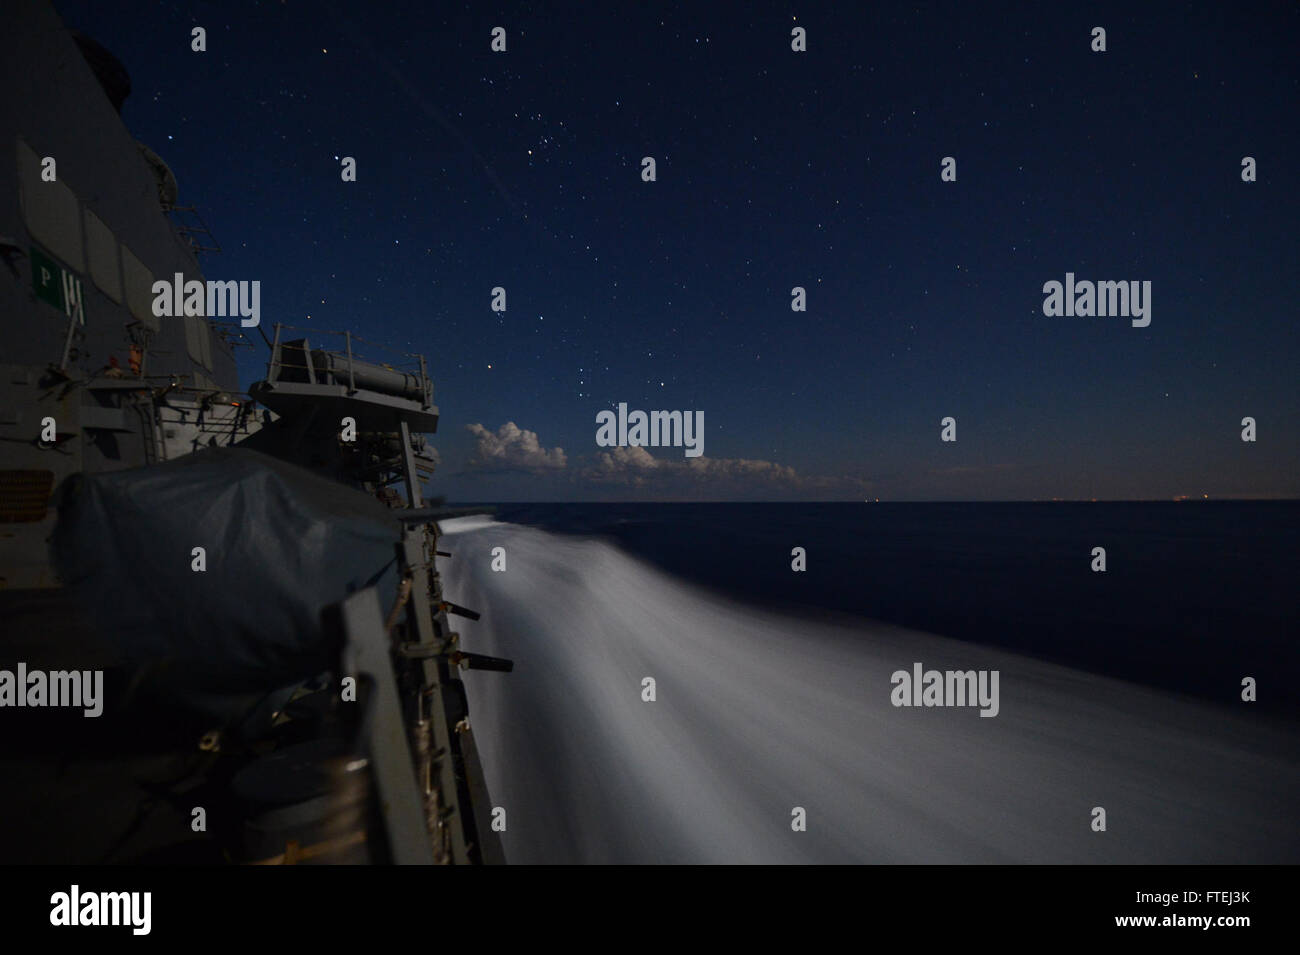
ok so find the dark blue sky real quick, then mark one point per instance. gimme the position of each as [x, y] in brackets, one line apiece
[775, 169]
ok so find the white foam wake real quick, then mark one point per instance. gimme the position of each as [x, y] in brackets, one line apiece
[758, 713]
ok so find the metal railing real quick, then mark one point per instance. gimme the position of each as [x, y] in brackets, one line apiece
[335, 359]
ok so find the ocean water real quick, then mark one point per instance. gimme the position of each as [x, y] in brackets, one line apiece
[1195, 595]
[1117, 691]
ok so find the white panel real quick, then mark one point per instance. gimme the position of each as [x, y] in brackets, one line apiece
[101, 250]
[139, 289]
[50, 209]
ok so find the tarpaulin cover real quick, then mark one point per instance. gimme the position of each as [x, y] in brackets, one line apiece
[281, 543]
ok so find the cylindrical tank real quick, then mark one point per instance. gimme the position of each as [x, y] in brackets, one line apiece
[369, 376]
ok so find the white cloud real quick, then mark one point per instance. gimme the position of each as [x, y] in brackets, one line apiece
[743, 469]
[512, 448]
[638, 467]
[702, 477]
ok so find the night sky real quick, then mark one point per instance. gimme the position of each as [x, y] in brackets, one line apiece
[775, 169]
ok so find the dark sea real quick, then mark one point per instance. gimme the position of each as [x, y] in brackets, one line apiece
[679, 691]
[1195, 595]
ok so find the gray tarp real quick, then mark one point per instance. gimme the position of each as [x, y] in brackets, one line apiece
[281, 544]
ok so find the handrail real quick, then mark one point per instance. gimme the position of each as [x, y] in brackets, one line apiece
[345, 334]
[334, 370]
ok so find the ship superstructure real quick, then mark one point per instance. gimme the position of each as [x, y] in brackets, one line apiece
[254, 571]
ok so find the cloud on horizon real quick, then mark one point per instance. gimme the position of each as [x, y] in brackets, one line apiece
[639, 468]
[512, 448]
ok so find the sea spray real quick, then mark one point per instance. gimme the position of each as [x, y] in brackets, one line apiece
[756, 715]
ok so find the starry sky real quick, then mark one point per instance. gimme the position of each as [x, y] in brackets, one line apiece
[775, 169]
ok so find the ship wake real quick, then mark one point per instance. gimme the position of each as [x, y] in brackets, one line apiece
[757, 715]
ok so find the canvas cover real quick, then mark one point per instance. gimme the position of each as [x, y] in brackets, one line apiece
[280, 543]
